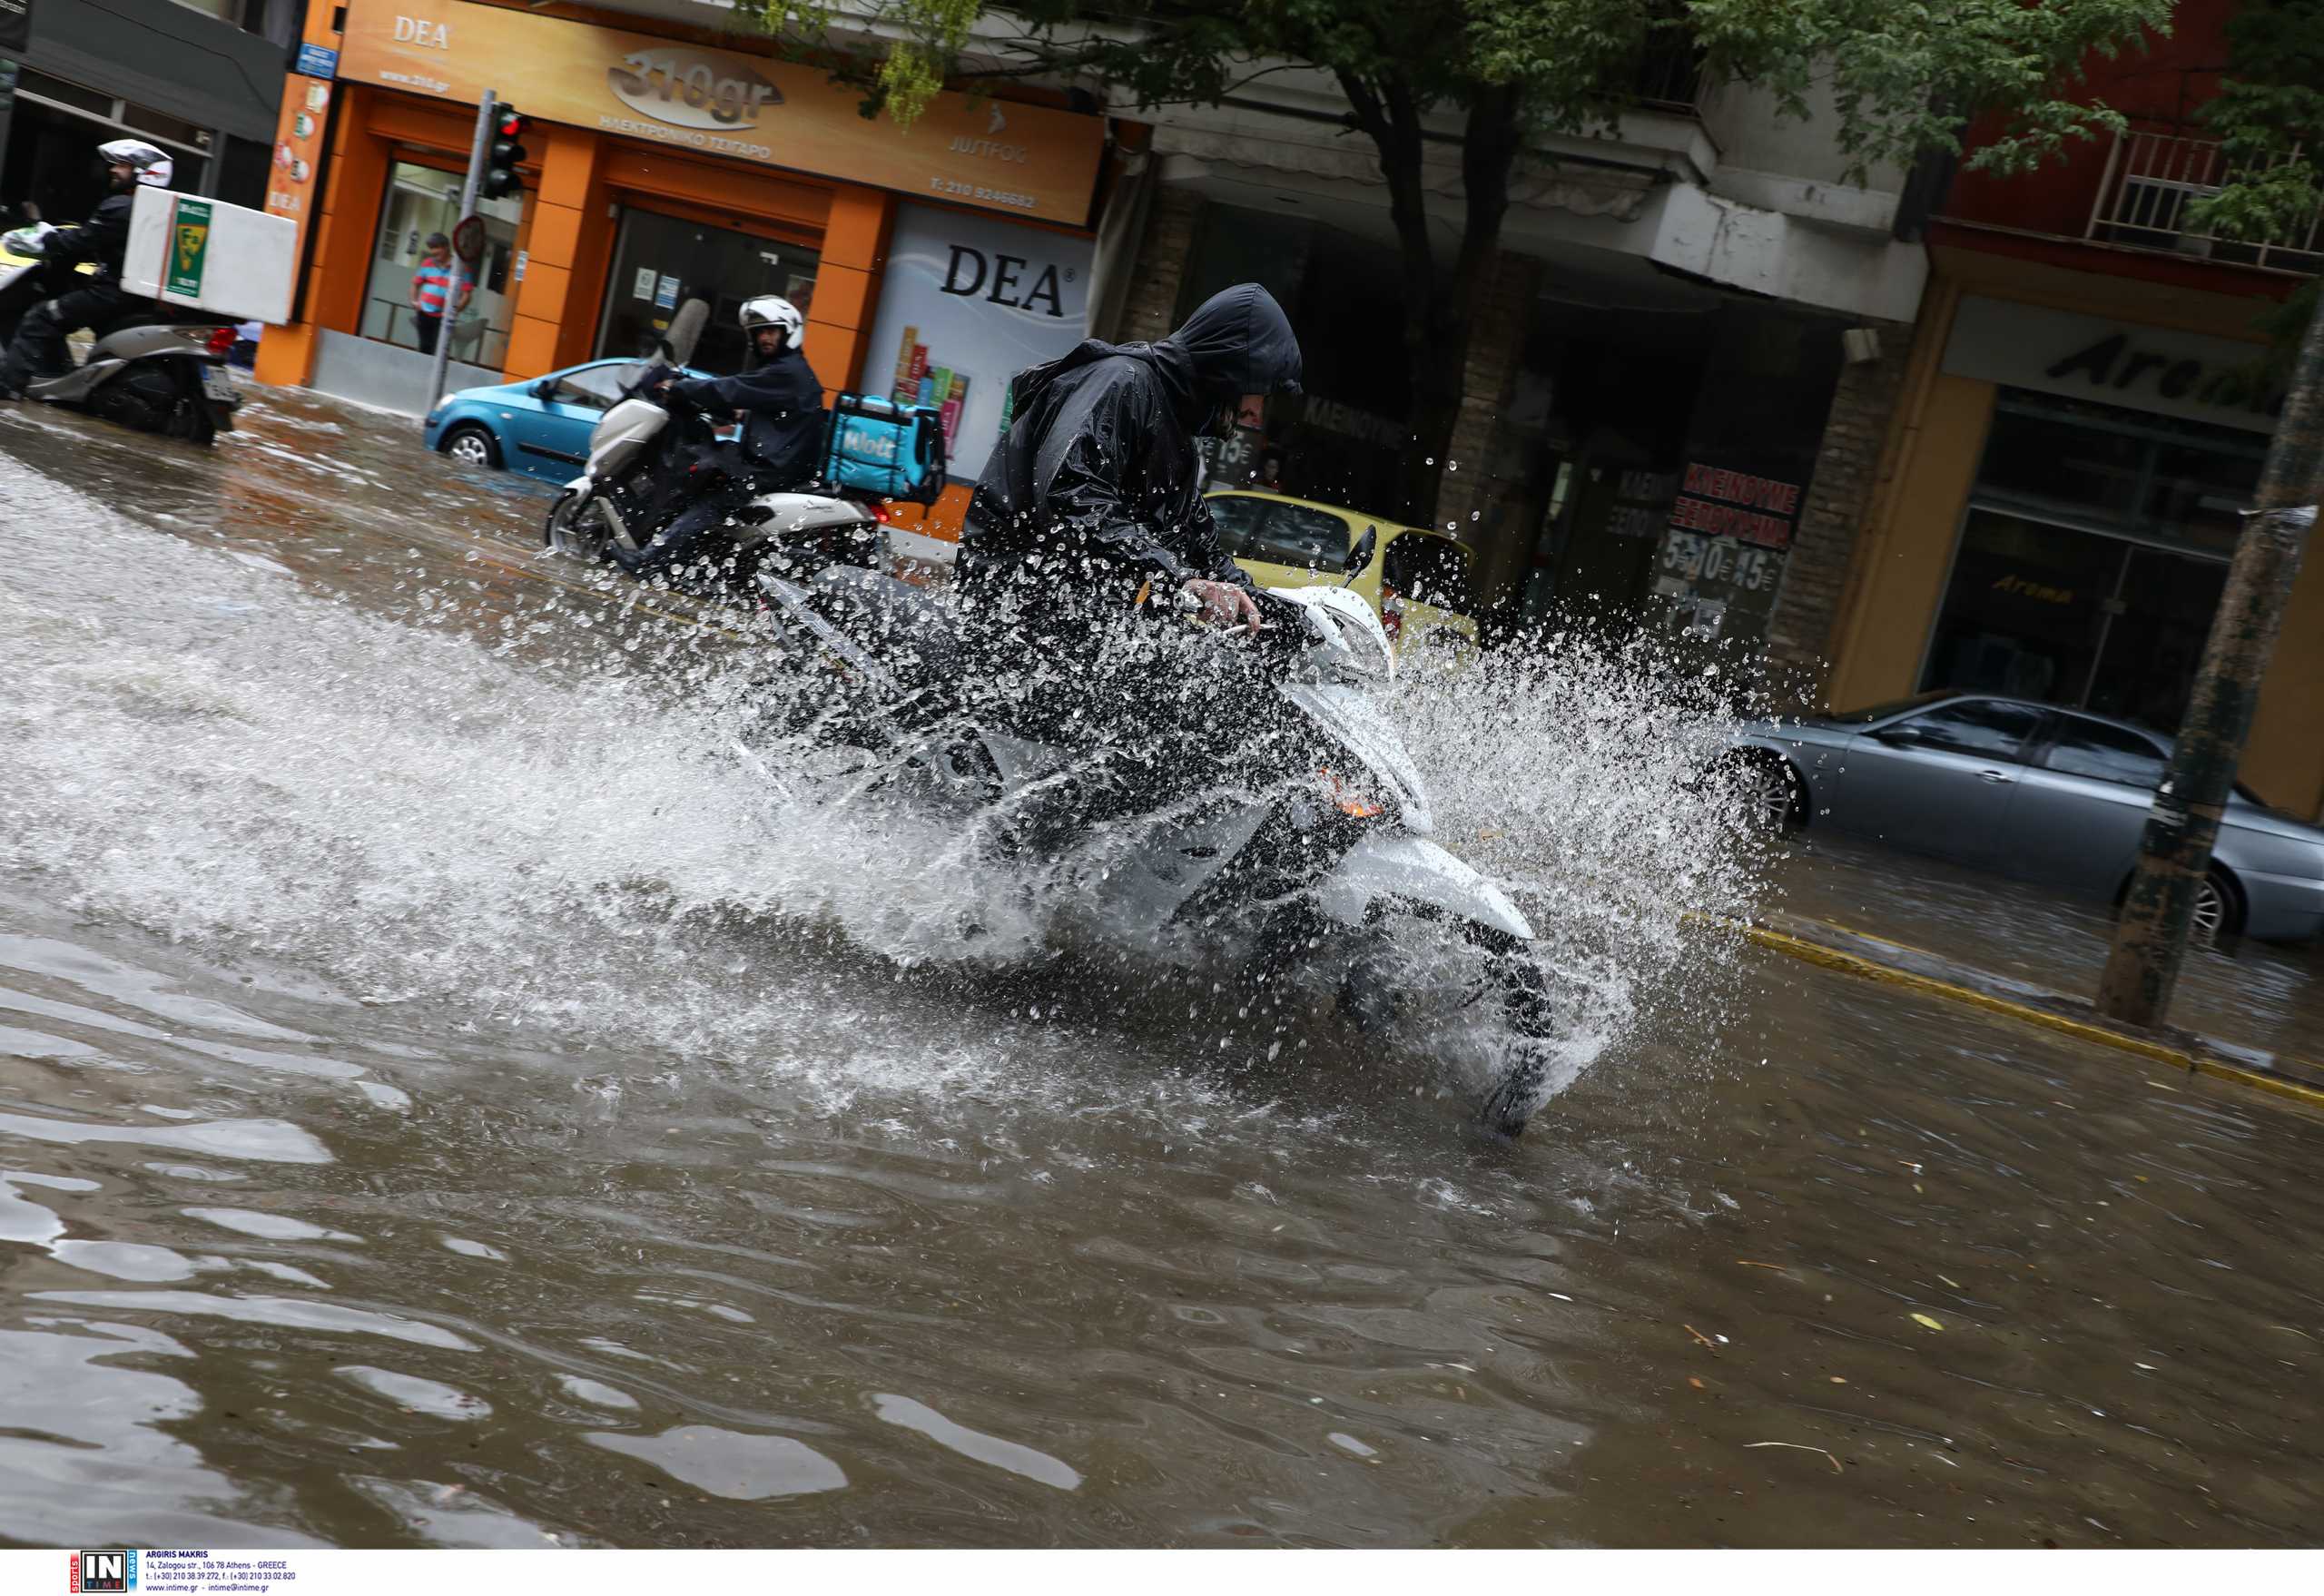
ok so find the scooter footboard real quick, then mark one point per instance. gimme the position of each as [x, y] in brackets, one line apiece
[1396, 868]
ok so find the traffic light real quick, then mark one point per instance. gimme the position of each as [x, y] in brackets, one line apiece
[500, 178]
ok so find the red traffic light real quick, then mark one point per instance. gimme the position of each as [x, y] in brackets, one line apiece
[510, 124]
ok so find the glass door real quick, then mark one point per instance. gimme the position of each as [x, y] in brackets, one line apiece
[662, 262]
[2163, 619]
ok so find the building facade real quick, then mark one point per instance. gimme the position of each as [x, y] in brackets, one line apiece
[2081, 424]
[665, 164]
[1677, 313]
[201, 81]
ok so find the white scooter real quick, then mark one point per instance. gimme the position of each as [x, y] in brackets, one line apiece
[146, 370]
[635, 484]
[1310, 872]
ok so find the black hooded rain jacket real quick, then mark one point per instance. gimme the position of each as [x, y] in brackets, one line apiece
[1096, 478]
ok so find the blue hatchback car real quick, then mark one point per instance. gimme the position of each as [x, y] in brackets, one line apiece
[540, 426]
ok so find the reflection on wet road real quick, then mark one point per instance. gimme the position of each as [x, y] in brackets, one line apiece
[433, 1110]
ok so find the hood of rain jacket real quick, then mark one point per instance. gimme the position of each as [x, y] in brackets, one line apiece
[1096, 477]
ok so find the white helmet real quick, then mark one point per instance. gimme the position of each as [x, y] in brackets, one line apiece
[773, 310]
[152, 166]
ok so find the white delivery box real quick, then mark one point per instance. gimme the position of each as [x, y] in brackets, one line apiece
[234, 263]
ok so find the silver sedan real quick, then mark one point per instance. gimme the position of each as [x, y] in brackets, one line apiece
[2037, 793]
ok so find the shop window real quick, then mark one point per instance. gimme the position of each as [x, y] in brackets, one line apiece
[2091, 559]
[422, 200]
[2101, 753]
[2110, 468]
[1978, 727]
[662, 262]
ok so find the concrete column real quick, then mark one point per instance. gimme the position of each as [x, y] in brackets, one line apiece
[1802, 626]
[559, 214]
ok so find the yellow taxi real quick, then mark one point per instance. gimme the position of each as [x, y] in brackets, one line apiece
[1418, 579]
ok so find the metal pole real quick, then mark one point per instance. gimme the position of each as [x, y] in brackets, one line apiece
[2175, 852]
[484, 111]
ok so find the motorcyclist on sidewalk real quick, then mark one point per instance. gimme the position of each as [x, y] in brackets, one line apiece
[38, 349]
[779, 449]
[1087, 529]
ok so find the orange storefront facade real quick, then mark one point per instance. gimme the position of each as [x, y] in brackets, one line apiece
[641, 147]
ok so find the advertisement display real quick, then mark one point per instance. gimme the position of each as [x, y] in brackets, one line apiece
[970, 302]
[1025, 160]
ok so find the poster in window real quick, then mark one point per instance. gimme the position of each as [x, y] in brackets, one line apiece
[969, 303]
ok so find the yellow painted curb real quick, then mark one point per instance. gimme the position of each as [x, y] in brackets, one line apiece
[1855, 964]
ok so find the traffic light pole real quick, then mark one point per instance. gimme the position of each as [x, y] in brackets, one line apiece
[485, 118]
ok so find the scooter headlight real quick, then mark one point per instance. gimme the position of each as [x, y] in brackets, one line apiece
[1352, 799]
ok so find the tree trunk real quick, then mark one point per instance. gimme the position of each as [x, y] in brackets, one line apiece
[2175, 851]
[1440, 306]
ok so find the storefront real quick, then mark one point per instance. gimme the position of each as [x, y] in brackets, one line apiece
[199, 86]
[658, 170]
[2068, 477]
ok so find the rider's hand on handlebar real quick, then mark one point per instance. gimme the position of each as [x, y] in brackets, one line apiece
[1224, 603]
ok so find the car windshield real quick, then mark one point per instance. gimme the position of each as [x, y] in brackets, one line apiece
[1428, 570]
[1881, 711]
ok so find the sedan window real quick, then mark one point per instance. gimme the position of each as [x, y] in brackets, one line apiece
[1981, 727]
[2105, 753]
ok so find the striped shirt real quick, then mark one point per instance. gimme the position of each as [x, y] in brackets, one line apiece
[433, 287]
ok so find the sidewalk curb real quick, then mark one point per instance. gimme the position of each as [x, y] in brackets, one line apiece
[2196, 1055]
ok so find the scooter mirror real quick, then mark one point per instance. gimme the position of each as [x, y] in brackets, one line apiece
[1360, 556]
[685, 332]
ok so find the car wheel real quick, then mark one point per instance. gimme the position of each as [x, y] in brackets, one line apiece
[471, 446]
[2219, 913]
[1770, 791]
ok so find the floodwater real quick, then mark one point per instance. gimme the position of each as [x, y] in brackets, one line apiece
[444, 1102]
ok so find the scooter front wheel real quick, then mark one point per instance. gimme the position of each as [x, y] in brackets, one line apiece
[577, 529]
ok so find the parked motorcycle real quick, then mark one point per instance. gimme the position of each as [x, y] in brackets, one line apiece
[650, 456]
[147, 369]
[1331, 870]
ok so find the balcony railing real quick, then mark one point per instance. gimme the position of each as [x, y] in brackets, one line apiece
[2151, 180]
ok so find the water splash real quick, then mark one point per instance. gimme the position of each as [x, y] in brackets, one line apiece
[532, 813]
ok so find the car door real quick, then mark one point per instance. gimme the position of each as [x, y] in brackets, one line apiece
[1939, 780]
[2081, 804]
[553, 440]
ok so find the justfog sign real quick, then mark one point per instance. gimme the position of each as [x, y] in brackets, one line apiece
[1033, 160]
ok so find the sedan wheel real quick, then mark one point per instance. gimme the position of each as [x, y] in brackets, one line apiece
[1769, 794]
[2212, 908]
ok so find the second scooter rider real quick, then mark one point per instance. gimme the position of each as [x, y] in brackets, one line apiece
[781, 405]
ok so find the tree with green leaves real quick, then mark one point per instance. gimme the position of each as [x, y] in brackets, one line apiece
[2269, 115]
[1900, 80]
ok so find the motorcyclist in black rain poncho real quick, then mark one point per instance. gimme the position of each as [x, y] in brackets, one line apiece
[1087, 527]
[779, 449]
[83, 299]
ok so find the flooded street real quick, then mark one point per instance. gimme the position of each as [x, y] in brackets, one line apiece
[442, 1103]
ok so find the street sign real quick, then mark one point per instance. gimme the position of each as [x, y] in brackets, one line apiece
[467, 239]
[188, 246]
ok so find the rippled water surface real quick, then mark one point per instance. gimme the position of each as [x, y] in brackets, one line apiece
[442, 1103]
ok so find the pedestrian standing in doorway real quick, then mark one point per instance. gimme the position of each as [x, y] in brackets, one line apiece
[438, 289]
